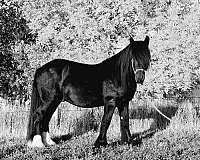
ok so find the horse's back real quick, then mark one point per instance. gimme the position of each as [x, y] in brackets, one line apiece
[77, 83]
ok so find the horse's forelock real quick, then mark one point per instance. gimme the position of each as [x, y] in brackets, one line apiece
[141, 54]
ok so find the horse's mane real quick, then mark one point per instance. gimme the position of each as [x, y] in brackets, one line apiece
[122, 68]
[118, 66]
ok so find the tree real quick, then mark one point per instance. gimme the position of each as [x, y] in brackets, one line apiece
[91, 31]
[84, 31]
[175, 33]
[13, 30]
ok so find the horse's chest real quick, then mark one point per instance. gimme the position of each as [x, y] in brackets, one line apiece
[111, 90]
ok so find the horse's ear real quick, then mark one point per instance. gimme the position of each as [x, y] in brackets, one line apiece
[131, 40]
[147, 40]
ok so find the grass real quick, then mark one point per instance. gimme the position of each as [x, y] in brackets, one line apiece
[180, 140]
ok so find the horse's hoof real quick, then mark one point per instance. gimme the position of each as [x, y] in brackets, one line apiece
[36, 142]
[99, 144]
[47, 139]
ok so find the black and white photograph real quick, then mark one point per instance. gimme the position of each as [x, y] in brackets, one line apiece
[99, 79]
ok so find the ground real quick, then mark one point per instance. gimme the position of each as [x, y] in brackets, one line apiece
[181, 143]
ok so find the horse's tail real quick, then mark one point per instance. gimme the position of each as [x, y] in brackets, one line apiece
[35, 103]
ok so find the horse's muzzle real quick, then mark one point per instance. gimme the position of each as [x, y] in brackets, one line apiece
[139, 76]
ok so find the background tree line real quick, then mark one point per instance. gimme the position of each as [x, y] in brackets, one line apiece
[36, 31]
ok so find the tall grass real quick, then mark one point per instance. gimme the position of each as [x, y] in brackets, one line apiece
[76, 121]
[180, 139]
[13, 119]
[186, 118]
[72, 120]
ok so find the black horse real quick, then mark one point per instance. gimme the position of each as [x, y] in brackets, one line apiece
[111, 83]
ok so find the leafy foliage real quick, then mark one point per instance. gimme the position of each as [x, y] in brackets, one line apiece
[13, 30]
[167, 144]
[91, 31]
[84, 31]
[175, 47]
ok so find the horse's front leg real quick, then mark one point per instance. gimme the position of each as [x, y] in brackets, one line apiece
[109, 108]
[124, 123]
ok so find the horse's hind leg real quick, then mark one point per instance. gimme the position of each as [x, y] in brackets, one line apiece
[41, 118]
[36, 134]
[45, 122]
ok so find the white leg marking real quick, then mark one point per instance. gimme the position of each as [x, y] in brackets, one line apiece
[37, 142]
[47, 139]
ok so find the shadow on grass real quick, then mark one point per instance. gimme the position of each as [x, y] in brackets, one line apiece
[140, 136]
[137, 140]
[62, 138]
[160, 122]
[88, 122]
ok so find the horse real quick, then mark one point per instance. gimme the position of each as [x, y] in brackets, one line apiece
[111, 83]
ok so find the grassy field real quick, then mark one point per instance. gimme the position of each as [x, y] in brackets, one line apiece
[179, 140]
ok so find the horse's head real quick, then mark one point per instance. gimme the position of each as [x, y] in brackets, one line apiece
[140, 58]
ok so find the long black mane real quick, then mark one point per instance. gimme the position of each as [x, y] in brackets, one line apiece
[122, 69]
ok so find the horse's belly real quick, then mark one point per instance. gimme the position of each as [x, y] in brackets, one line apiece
[86, 97]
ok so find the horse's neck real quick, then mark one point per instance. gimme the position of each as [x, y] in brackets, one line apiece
[123, 65]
